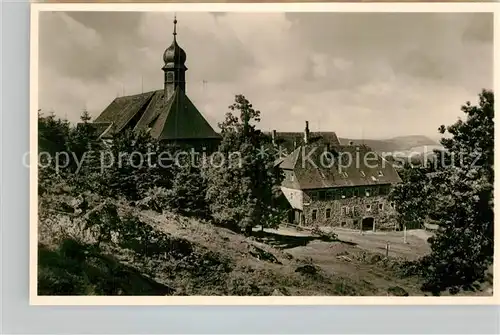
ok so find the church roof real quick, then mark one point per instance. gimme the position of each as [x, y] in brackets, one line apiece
[175, 118]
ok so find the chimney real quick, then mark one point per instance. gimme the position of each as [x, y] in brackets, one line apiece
[306, 133]
[273, 136]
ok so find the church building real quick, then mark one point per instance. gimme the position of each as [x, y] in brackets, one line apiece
[168, 115]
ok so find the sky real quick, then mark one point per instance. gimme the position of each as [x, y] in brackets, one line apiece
[362, 75]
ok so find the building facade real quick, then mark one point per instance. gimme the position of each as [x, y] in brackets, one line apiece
[329, 184]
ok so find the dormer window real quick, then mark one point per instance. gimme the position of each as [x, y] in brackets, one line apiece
[344, 174]
[363, 173]
[380, 174]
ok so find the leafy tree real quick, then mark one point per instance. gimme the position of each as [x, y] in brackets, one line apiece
[53, 133]
[458, 193]
[413, 197]
[130, 167]
[462, 249]
[83, 137]
[188, 191]
[243, 184]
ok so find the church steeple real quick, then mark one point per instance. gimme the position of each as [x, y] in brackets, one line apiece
[174, 58]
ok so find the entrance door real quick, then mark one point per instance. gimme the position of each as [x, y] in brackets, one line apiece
[297, 216]
[368, 224]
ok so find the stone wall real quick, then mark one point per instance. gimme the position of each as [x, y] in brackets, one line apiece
[349, 212]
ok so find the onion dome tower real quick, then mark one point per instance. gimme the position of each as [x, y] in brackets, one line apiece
[175, 69]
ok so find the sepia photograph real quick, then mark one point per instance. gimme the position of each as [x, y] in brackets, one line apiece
[280, 153]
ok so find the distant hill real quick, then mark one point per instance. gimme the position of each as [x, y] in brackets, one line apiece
[400, 143]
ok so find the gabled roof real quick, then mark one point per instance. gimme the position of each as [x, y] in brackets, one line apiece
[351, 166]
[175, 118]
[180, 120]
[288, 162]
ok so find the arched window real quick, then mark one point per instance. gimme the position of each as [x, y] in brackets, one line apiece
[170, 77]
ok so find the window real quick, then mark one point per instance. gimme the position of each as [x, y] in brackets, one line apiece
[368, 207]
[363, 173]
[342, 193]
[292, 177]
[330, 195]
[392, 204]
[343, 224]
[345, 210]
[345, 175]
[170, 77]
[381, 206]
[355, 223]
[367, 192]
[322, 195]
[338, 194]
[314, 195]
[328, 213]
[348, 192]
[380, 174]
[314, 212]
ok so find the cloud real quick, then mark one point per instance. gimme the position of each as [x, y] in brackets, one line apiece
[371, 74]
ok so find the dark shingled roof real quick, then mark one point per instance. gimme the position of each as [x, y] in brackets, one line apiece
[176, 118]
[365, 167]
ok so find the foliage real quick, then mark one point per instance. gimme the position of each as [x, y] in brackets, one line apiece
[104, 220]
[83, 138]
[243, 186]
[457, 194]
[188, 191]
[128, 168]
[156, 199]
[413, 198]
[53, 133]
[78, 269]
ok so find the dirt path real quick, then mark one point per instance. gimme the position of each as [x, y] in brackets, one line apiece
[416, 242]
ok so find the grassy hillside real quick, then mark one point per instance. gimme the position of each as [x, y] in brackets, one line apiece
[197, 258]
[150, 253]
